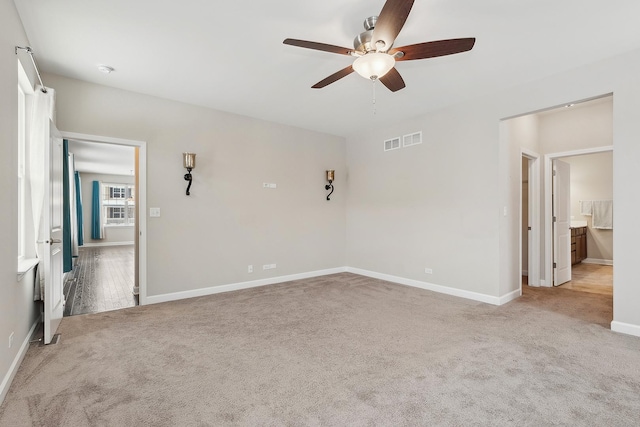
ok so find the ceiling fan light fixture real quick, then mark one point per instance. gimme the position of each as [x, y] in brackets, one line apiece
[374, 65]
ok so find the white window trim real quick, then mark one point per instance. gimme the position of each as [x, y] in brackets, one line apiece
[25, 258]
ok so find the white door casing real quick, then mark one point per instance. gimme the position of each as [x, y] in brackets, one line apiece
[534, 235]
[141, 202]
[562, 222]
[52, 242]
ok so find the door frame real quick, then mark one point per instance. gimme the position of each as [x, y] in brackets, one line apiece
[548, 200]
[534, 217]
[142, 202]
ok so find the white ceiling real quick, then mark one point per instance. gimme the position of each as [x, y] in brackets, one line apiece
[229, 55]
[101, 158]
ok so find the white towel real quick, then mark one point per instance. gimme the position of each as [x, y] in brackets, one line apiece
[586, 207]
[603, 214]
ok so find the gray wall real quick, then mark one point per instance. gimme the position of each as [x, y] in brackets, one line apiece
[442, 204]
[431, 205]
[113, 234]
[229, 221]
[18, 312]
[439, 205]
[592, 179]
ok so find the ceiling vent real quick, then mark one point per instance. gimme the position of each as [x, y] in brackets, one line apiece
[412, 139]
[392, 144]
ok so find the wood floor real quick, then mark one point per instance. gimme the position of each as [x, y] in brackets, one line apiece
[592, 278]
[102, 279]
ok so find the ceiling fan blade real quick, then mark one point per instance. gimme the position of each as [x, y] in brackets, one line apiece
[393, 80]
[318, 46]
[333, 77]
[392, 17]
[433, 49]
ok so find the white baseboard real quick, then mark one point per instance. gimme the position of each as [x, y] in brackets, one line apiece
[625, 328]
[154, 299]
[89, 245]
[597, 261]
[436, 288]
[13, 369]
[509, 297]
[174, 296]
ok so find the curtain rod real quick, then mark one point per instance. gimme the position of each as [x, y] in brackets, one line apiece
[33, 59]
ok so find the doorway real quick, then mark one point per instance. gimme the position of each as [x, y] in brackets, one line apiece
[563, 131]
[573, 132]
[590, 242]
[109, 269]
[530, 217]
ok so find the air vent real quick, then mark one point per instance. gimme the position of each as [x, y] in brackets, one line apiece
[392, 144]
[412, 139]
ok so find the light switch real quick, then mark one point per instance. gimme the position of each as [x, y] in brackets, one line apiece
[154, 212]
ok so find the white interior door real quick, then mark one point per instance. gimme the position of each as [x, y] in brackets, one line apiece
[562, 222]
[531, 249]
[52, 224]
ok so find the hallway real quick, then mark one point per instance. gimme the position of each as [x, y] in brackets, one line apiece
[102, 280]
[592, 278]
[588, 296]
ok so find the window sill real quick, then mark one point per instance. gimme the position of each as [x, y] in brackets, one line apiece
[25, 265]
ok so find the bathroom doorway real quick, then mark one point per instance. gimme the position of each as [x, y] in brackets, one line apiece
[591, 220]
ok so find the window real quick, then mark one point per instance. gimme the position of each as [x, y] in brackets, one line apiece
[23, 89]
[119, 204]
[21, 171]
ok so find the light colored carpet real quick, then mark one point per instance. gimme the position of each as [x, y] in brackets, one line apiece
[335, 350]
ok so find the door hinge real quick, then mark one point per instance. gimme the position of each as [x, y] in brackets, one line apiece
[529, 228]
[554, 219]
[554, 172]
[555, 265]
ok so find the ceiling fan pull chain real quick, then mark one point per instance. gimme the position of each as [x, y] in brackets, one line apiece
[373, 104]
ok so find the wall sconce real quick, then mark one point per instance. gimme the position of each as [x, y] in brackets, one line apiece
[330, 178]
[189, 162]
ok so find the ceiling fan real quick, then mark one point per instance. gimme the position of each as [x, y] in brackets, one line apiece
[374, 51]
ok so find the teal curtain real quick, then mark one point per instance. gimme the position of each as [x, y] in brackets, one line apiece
[67, 256]
[79, 208]
[96, 226]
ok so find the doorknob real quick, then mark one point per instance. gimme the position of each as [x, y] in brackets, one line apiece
[51, 241]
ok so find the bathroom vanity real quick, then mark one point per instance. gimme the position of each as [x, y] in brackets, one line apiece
[578, 244]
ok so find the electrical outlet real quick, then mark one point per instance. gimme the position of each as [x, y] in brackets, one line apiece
[268, 266]
[269, 185]
[250, 269]
[428, 270]
[11, 340]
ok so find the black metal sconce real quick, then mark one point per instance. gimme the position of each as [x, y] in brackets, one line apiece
[330, 178]
[189, 162]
